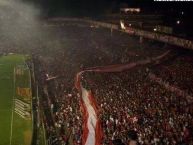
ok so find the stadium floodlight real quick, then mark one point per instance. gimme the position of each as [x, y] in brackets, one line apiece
[122, 25]
[178, 22]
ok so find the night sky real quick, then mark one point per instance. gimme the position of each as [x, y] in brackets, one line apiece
[93, 8]
[96, 6]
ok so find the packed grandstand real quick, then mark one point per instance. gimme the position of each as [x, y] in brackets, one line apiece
[101, 80]
[153, 100]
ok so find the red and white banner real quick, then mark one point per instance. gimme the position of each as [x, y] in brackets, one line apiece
[92, 131]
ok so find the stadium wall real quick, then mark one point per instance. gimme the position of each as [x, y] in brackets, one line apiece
[33, 103]
[180, 42]
[39, 135]
[32, 109]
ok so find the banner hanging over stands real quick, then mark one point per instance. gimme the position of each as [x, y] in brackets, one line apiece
[92, 131]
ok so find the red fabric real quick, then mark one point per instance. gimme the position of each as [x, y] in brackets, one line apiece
[85, 128]
[98, 129]
[110, 68]
[99, 133]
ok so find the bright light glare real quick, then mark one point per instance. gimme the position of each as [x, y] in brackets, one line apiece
[122, 25]
[178, 22]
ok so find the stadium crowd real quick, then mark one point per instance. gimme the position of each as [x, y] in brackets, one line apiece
[128, 101]
[174, 73]
[136, 103]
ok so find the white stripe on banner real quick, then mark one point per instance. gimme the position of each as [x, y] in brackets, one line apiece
[92, 133]
[92, 119]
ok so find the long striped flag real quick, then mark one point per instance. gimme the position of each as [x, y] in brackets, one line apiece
[92, 131]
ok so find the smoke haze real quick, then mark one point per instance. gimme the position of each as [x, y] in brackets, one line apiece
[20, 28]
